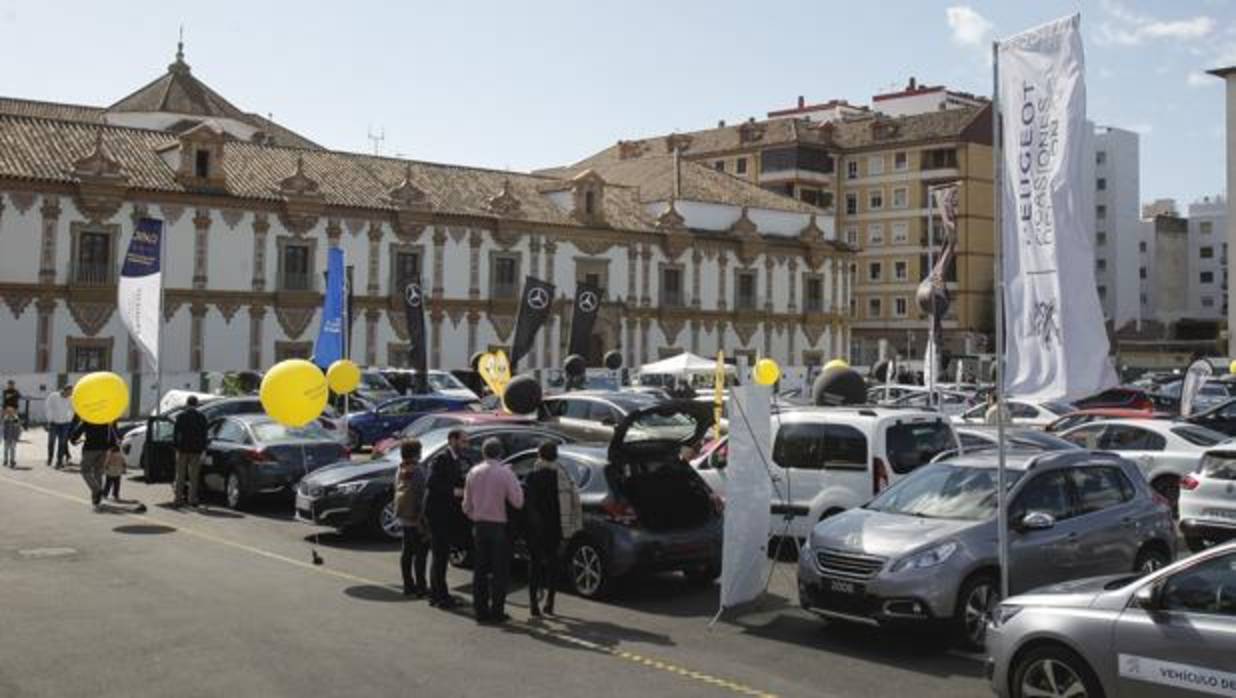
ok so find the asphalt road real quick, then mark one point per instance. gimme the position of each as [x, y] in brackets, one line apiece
[216, 602]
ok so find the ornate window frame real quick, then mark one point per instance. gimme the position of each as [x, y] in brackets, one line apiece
[72, 344]
[282, 242]
[76, 230]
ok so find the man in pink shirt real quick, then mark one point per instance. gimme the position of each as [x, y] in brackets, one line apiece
[488, 489]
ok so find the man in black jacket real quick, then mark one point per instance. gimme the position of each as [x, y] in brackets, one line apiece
[189, 439]
[100, 438]
[443, 510]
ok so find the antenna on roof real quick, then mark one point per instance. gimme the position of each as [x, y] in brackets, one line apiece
[677, 174]
[377, 139]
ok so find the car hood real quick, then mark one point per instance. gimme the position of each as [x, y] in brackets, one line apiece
[344, 471]
[886, 535]
[1078, 593]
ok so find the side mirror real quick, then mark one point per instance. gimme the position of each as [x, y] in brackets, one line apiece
[1147, 598]
[608, 422]
[1037, 521]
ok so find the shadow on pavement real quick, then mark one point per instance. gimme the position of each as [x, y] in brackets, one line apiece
[354, 543]
[144, 529]
[216, 513]
[598, 632]
[372, 592]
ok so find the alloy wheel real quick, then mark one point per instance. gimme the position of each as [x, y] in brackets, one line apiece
[233, 491]
[1051, 678]
[389, 521]
[977, 609]
[586, 570]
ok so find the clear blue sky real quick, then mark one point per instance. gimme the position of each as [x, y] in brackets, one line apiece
[534, 84]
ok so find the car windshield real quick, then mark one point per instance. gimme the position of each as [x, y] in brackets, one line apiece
[944, 491]
[916, 443]
[445, 381]
[273, 433]
[1057, 408]
[1199, 436]
[676, 426]
[374, 381]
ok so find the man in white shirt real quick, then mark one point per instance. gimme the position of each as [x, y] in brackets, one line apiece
[59, 411]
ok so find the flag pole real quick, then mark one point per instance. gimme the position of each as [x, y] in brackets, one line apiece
[1002, 521]
[157, 358]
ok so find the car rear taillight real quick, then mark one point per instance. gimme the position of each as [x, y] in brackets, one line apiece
[879, 476]
[619, 512]
[259, 457]
[1188, 482]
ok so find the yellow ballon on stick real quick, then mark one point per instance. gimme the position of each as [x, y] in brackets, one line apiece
[293, 392]
[343, 376]
[100, 398]
[837, 363]
[1231, 368]
[767, 371]
[495, 370]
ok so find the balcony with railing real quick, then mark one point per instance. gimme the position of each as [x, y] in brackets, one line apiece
[92, 274]
[297, 281]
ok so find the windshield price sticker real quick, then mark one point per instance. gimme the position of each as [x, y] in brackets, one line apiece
[1194, 678]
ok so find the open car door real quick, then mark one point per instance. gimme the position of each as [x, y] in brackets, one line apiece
[158, 455]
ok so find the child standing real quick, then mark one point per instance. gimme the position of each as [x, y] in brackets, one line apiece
[12, 432]
[113, 468]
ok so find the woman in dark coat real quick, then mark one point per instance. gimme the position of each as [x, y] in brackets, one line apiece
[554, 514]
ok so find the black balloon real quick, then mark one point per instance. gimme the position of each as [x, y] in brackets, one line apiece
[475, 361]
[523, 395]
[839, 386]
[574, 366]
[613, 359]
[880, 370]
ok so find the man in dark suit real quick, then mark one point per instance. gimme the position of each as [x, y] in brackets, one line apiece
[443, 510]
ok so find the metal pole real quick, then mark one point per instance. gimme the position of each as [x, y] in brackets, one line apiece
[347, 337]
[1002, 520]
[929, 363]
[158, 357]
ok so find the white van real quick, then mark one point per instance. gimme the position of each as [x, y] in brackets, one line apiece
[828, 459]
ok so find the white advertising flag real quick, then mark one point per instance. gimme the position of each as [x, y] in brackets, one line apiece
[1056, 346]
[748, 493]
[140, 289]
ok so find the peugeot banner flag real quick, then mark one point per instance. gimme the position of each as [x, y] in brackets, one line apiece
[139, 293]
[414, 312]
[1056, 346]
[329, 347]
[584, 317]
[535, 305]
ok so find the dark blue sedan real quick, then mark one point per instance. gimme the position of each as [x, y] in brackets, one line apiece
[390, 417]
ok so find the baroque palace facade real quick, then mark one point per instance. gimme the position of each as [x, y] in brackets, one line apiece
[690, 259]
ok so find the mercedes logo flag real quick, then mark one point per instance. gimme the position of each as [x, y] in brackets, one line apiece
[535, 305]
[583, 318]
[414, 312]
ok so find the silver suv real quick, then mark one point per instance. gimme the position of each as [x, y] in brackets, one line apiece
[925, 549]
[1171, 634]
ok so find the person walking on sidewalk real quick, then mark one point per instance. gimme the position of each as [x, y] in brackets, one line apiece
[11, 427]
[58, 409]
[189, 439]
[99, 440]
[488, 489]
[113, 469]
[554, 514]
[410, 508]
[11, 397]
[442, 510]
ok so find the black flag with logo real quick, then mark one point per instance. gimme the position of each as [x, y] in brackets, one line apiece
[414, 309]
[584, 317]
[535, 305]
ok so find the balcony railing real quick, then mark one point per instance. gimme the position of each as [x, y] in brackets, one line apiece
[93, 273]
[296, 281]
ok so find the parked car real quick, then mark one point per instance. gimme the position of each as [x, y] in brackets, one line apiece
[370, 426]
[946, 402]
[360, 496]
[883, 394]
[445, 420]
[1220, 417]
[976, 438]
[155, 457]
[1165, 450]
[1208, 499]
[1170, 634]
[591, 415]
[252, 455]
[925, 549]
[1130, 399]
[1210, 394]
[643, 510]
[1023, 413]
[1097, 414]
[440, 382]
[374, 388]
[829, 459]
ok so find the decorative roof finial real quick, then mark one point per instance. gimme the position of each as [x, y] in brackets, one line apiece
[179, 64]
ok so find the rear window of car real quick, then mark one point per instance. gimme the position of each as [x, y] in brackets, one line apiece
[820, 447]
[1219, 467]
[913, 444]
[1199, 436]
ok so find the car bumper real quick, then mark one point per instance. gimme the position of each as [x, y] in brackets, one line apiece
[633, 550]
[1209, 529]
[333, 510]
[996, 665]
[879, 600]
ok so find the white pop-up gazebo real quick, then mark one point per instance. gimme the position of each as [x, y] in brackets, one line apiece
[685, 364]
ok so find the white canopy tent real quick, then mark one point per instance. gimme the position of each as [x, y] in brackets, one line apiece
[685, 364]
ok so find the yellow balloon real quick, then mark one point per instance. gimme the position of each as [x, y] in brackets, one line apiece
[1231, 368]
[100, 398]
[343, 376]
[837, 363]
[293, 392]
[767, 371]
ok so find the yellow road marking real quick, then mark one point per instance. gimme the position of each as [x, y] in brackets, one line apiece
[632, 657]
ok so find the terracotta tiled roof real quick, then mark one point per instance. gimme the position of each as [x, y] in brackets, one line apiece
[50, 110]
[178, 92]
[281, 134]
[45, 150]
[654, 177]
[848, 133]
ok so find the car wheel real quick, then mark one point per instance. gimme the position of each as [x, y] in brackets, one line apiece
[234, 492]
[1054, 672]
[1195, 544]
[586, 570]
[386, 521]
[1169, 487]
[354, 441]
[979, 595]
[704, 575]
[1150, 559]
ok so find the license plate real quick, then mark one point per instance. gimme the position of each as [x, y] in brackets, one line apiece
[1221, 514]
[842, 586]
